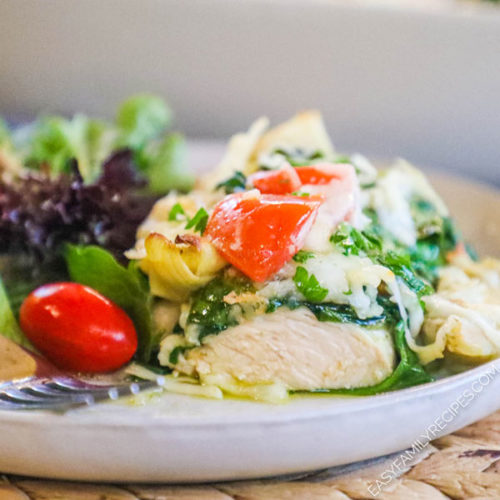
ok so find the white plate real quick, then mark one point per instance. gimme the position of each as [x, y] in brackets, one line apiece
[182, 439]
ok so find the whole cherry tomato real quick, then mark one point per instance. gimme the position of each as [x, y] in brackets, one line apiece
[77, 328]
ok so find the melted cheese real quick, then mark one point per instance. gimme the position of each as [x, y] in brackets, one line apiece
[392, 196]
[342, 203]
[349, 280]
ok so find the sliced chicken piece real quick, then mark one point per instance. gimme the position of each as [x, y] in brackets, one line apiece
[294, 349]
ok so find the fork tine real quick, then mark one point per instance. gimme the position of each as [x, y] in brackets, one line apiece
[14, 394]
[43, 390]
[74, 385]
[16, 405]
[52, 404]
[23, 396]
[61, 393]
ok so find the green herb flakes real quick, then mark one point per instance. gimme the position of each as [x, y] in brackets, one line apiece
[199, 221]
[177, 213]
[308, 285]
[234, 184]
[303, 256]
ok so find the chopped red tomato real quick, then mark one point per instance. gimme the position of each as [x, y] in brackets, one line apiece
[282, 181]
[287, 180]
[77, 328]
[319, 174]
[258, 233]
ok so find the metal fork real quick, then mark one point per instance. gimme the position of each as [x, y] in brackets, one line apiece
[64, 392]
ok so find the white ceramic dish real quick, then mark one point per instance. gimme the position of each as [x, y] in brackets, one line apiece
[182, 439]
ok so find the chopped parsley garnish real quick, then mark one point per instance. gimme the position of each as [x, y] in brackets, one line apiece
[177, 213]
[308, 285]
[199, 221]
[299, 156]
[354, 242]
[303, 256]
[234, 184]
[294, 156]
[342, 159]
[367, 243]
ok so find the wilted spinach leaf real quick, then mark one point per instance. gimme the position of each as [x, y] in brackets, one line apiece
[209, 310]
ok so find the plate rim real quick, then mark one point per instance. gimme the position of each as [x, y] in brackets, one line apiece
[127, 418]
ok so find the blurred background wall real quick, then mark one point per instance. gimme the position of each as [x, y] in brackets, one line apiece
[423, 84]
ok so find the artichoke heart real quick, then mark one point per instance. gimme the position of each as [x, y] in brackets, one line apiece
[177, 269]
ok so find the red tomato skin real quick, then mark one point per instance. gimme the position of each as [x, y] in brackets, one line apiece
[282, 181]
[257, 233]
[77, 328]
[318, 174]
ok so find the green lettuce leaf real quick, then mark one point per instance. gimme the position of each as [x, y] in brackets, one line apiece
[164, 165]
[125, 286]
[141, 125]
[56, 141]
[9, 326]
[142, 118]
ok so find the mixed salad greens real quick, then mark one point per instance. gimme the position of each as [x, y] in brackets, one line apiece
[85, 180]
[72, 194]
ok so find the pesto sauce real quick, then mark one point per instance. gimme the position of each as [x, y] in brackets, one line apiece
[208, 309]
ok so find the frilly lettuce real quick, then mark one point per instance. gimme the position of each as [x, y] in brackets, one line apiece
[141, 125]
